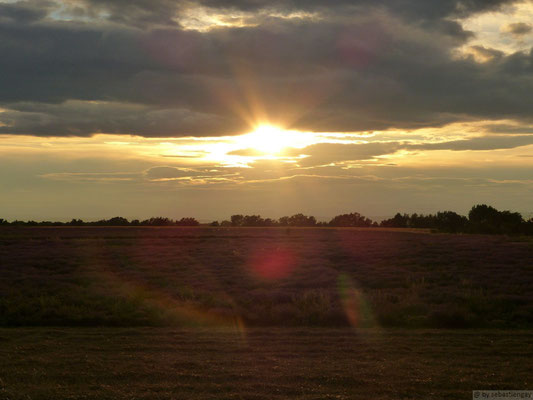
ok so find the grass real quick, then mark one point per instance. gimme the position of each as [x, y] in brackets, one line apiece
[259, 363]
[263, 277]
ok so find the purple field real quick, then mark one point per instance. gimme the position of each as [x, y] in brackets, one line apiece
[250, 313]
[263, 277]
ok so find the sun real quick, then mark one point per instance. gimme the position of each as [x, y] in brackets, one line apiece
[268, 139]
[272, 140]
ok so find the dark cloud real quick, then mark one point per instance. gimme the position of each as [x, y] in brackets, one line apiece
[490, 142]
[486, 53]
[23, 12]
[518, 28]
[149, 12]
[139, 13]
[512, 129]
[79, 118]
[359, 67]
[419, 9]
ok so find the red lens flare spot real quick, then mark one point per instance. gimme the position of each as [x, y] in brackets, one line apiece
[272, 264]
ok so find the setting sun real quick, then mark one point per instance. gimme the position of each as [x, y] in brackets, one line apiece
[272, 140]
[267, 139]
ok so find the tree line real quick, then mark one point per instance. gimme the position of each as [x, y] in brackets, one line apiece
[481, 219]
[115, 221]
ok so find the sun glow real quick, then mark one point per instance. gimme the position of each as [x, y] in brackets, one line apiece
[271, 140]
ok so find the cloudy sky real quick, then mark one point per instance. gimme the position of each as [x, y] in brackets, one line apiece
[207, 108]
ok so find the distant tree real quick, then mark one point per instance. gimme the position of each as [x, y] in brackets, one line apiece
[302, 220]
[284, 221]
[188, 221]
[249, 220]
[50, 223]
[398, 221]
[253, 220]
[486, 219]
[158, 221]
[353, 219]
[510, 222]
[527, 227]
[237, 220]
[483, 219]
[449, 221]
[421, 221]
[269, 222]
[117, 221]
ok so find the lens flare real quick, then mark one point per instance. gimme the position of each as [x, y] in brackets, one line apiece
[140, 299]
[358, 311]
[272, 263]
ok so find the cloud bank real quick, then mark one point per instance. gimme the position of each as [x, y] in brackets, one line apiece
[205, 68]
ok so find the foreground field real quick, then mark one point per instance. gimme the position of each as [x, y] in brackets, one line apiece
[261, 363]
[263, 277]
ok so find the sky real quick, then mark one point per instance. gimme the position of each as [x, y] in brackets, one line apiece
[209, 108]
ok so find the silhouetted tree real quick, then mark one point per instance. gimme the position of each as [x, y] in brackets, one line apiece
[157, 221]
[481, 219]
[237, 220]
[117, 221]
[510, 222]
[486, 219]
[353, 219]
[421, 221]
[187, 221]
[301, 220]
[284, 221]
[269, 222]
[449, 221]
[398, 221]
[252, 220]
[527, 227]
